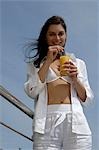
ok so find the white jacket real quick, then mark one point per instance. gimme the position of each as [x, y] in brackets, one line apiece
[38, 91]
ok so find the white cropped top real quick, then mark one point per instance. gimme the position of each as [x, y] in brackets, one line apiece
[52, 76]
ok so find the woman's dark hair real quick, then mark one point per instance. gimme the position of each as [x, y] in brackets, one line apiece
[40, 45]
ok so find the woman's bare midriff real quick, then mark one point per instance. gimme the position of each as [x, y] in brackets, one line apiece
[59, 92]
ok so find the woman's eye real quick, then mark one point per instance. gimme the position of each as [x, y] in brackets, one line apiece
[51, 34]
[61, 33]
[54, 34]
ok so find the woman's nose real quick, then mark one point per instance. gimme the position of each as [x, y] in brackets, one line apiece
[57, 37]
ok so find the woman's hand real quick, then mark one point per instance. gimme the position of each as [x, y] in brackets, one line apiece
[72, 72]
[70, 69]
[53, 51]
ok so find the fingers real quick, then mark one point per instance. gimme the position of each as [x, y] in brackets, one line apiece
[70, 69]
[53, 51]
[56, 48]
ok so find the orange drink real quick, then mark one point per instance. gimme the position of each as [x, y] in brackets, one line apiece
[63, 59]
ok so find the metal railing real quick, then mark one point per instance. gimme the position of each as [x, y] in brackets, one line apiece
[17, 103]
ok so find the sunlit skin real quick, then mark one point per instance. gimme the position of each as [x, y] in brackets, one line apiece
[56, 38]
[56, 35]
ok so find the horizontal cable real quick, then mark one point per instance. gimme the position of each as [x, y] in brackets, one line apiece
[16, 131]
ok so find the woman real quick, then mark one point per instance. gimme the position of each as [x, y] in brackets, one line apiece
[59, 122]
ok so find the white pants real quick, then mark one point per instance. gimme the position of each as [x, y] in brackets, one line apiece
[58, 132]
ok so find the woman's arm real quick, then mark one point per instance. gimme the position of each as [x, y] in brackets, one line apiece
[43, 70]
[78, 74]
[81, 84]
[51, 55]
[80, 89]
[33, 85]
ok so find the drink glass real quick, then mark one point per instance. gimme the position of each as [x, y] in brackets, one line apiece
[63, 59]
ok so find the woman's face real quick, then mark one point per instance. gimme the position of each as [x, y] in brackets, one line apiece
[56, 35]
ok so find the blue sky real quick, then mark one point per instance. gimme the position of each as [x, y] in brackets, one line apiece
[21, 21]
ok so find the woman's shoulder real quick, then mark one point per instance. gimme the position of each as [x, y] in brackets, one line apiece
[76, 59]
[31, 67]
[30, 64]
[80, 63]
[80, 60]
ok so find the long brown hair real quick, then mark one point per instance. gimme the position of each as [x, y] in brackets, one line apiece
[40, 45]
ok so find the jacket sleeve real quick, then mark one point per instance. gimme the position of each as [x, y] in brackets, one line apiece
[83, 77]
[33, 86]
